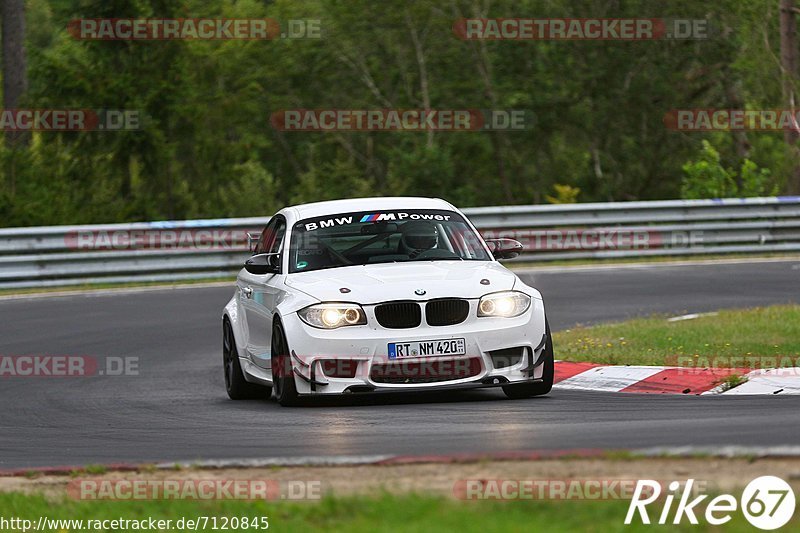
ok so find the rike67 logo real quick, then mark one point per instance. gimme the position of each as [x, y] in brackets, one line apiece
[767, 502]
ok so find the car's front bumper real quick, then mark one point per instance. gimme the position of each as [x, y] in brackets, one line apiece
[366, 347]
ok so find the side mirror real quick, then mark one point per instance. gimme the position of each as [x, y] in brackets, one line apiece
[504, 248]
[264, 264]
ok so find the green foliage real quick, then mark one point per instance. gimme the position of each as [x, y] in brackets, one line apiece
[565, 194]
[206, 148]
[251, 193]
[389, 509]
[707, 178]
[755, 181]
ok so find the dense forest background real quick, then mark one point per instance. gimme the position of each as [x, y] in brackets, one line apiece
[207, 148]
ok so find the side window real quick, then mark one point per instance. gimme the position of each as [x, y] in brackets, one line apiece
[271, 237]
[277, 242]
[267, 238]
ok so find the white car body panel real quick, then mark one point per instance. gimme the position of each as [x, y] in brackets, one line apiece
[371, 284]
[280, 296]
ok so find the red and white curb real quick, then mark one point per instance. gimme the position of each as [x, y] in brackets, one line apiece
[674, 380]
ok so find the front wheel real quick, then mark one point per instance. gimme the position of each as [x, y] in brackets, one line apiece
[235, 384]
[527, 390]
[282, 371]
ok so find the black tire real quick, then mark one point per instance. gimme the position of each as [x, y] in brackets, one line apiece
[235, 384]
[282, 372]
[527, 390]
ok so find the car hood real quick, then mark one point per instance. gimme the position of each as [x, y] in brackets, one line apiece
[370, 284]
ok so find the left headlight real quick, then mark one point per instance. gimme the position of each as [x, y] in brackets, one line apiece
[333, 315]
[504, 304]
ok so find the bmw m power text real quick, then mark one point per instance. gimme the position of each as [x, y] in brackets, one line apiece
[379, 295]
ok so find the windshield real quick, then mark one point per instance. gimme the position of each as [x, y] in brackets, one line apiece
[367, 238]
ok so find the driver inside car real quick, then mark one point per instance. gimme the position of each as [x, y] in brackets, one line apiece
[418, 237]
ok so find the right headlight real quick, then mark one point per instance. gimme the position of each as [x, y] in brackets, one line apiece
[333, 315]
[505, 304]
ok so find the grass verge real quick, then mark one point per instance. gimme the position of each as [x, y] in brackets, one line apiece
[382, 512]
[733, 335]
[98, 286]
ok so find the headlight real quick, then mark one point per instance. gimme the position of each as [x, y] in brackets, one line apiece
[332, 316]
[504, 304]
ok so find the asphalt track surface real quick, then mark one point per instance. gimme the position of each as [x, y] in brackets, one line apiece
[176, 408]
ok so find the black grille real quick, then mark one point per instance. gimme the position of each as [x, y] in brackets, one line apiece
[446, 312]
[399, 315]
[426, 371]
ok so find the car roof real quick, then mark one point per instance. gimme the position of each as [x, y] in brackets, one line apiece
[380, 203]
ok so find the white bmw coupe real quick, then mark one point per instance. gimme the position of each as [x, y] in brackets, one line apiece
[381, 295]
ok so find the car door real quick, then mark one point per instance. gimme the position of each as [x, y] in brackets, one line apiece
[259, 295]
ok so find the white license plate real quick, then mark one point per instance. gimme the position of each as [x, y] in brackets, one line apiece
[399, 350]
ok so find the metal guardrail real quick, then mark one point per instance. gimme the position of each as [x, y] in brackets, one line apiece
[70, 255]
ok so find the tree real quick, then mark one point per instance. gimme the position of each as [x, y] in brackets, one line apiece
[788, 26]
[15, 79]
